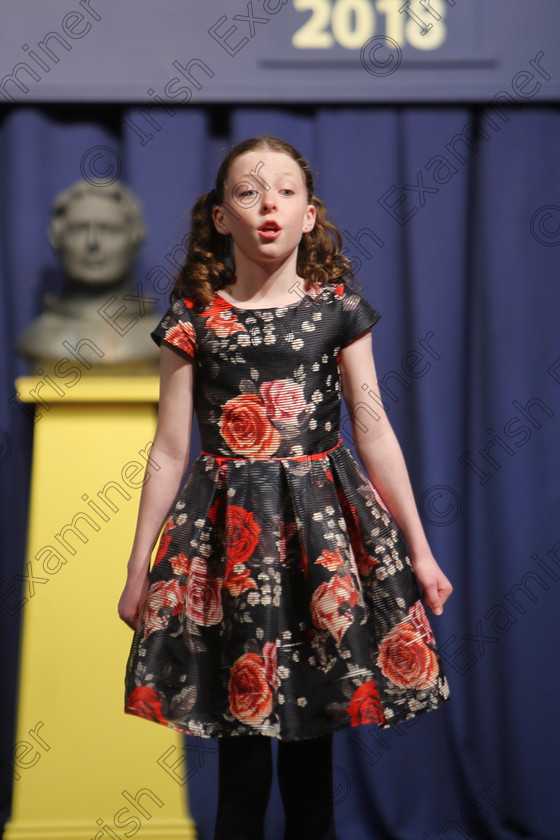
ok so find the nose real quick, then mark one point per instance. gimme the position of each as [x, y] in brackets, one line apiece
[268, 200]
[92, 237]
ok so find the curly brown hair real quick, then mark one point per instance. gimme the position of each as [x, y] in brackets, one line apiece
[209, 264]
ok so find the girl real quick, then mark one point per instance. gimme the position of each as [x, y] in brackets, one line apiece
[282, 602]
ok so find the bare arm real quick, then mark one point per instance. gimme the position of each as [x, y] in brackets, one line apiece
[381, 455]
[169, 457]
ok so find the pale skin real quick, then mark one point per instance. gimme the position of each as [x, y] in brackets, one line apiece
[266, 276]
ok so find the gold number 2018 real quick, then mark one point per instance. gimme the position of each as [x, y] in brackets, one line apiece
[350, 23]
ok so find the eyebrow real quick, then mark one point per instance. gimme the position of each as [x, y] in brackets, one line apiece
[260, 179]
[257, 178]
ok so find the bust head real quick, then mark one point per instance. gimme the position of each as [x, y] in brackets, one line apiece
[96, 231]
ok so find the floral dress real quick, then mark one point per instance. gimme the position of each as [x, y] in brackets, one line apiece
[282, 600]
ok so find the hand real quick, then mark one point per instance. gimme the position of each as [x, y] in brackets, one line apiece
[132, 599]
[435, 586]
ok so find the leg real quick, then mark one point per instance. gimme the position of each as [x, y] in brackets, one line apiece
[245, 779]
[306, 787]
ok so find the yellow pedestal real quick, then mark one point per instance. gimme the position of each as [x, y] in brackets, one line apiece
[83, 770]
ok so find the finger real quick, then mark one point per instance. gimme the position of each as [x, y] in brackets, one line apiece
[444, 590]
[444, 593]
[433, 599]
[437, 609]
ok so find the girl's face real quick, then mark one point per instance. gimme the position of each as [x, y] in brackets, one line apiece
[265, 207]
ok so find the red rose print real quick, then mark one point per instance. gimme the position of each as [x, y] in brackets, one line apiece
[417, 616]
[221, 318]
[271, 664]
[164, 599]
[250, 696]
[241, 537]
[246, 429]
[216, 512]
[339, 289]
[283, 400]
[238, 582]
[365, 706]
[364, 561]
[163, 546]
[331, 560]
[242, 534]
[180, 564]
[203, 595]
[406, 660]
[182, 335]
[145, 702]
[325, 603]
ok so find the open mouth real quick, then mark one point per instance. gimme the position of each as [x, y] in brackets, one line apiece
[269, 230]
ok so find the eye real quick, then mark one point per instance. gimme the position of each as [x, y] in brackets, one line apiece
[287, 190]
[248, 192]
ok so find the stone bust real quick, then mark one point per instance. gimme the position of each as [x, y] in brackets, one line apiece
[100, 321]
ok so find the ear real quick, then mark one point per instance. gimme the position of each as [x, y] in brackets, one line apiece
[309, 218]
[218, 217]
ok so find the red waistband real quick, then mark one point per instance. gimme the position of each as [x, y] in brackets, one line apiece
[312, 457]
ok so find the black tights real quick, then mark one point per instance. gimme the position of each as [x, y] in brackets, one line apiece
[304, 778]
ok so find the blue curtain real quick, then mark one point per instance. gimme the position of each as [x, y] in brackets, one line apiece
[458, 246]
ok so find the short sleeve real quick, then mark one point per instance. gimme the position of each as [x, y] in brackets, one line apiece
[176, 329]
[358, 315]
